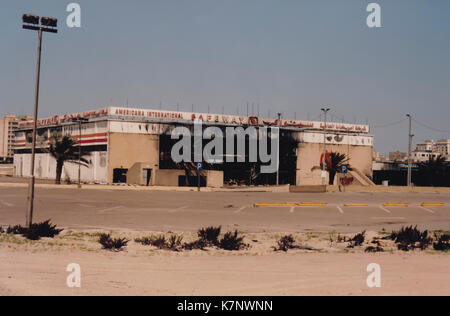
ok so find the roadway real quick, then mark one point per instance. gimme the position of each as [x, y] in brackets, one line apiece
[188, 211]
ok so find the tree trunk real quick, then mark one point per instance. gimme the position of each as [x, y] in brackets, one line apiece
[332, 176]
[59, 169]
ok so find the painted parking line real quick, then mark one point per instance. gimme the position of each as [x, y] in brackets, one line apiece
[401, 204]
[7, 204]
[270, 204]
[385, 209]
[178, 209]
[319, 204]
[109, 209]
[427, 209]
[240, 210]
[433, 204]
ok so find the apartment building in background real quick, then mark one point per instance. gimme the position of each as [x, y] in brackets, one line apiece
[431, 149]
[8, 125]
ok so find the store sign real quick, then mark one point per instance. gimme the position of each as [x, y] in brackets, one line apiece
[112, 112]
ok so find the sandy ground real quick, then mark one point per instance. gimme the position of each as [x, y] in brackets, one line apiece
[39, 268]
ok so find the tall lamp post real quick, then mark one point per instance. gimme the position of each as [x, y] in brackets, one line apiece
[325, 111]
[79, 120]
[44, 24]
[410, 139]
[278, 151]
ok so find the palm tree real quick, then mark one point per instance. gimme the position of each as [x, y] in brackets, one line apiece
[334, 164]
[66, 150]
[433, 170]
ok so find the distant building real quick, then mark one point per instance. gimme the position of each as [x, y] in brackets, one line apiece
[398, 156]
[431, 149]
[442, 147]
[8, 125]
[426, 146]
[379, 157]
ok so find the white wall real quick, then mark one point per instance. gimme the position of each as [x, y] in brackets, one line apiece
[45, 168]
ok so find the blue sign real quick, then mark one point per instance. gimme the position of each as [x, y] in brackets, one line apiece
[344, 169]
[200, 166]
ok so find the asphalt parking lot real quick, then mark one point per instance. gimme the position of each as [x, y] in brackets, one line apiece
[188, 211]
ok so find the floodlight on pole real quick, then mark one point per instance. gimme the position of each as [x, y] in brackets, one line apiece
[51, 22]
[30, 19]
[31, 22]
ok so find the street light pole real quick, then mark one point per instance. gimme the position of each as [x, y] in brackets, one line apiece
[31, 22]
[29, 215]
[410, 139]
[325, 111]
[278, 152]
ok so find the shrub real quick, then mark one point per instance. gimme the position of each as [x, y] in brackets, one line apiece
[210, 235]
[341, 239]
[159, 242]
[374, 249]
[112, 244]
[173, 243]
[442, 243]
[410, 238]
[358, 240]
[285, 243]
[36, 231]
[145, 241]
[198, 244]
[16, 230]
[232, 241]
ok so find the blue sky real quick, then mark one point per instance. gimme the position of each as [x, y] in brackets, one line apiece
[292, 56]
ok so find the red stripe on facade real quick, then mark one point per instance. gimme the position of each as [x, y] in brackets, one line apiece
[90, 141]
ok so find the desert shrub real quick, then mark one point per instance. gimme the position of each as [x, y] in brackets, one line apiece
[160, 242]
[112, 243]
[232, 241]
[156, 241]
[16, 230]
[357, 240]
[373, 249]
[210, 235]
[145, 241]
[197, 244]
[442, 243]
[36, 231]
[174, 242]
[410, 238]
[342, 239]
[285, 243]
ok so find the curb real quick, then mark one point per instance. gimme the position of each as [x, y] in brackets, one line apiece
[269, 204]
[404, 204]
[435, 204]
